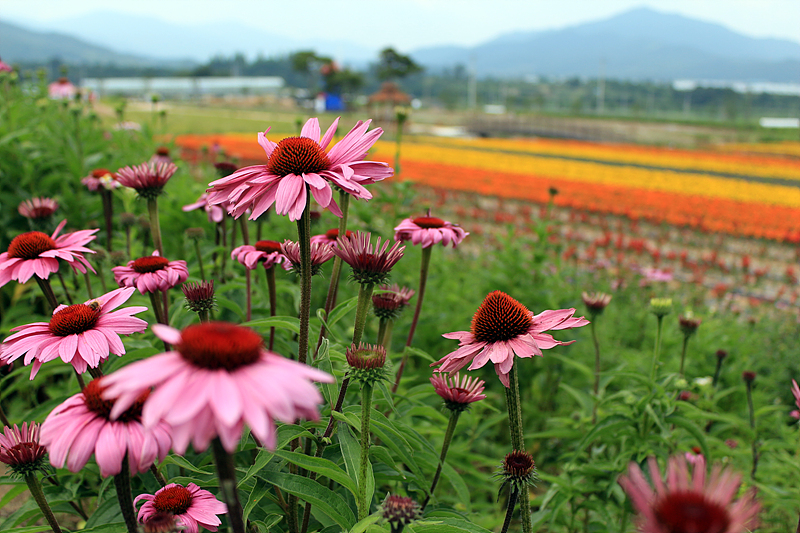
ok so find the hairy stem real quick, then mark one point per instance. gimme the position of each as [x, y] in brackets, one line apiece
[366, 409]
[596, 373]
[273, 302]
[226, 472]
[423, 280]
[303, 237]
[35, 488]
[333, 286]
[657, 348]
[155, 227]
[448, 436]
[122, 482]
[518, 440]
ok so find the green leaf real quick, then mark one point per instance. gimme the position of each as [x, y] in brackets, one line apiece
[458, 484]
[604, 427]
[106, 528]
[264, 456]
[182, 462]
[321, 497]
[13, 493]
[362, 526]
[230, 305]
[31, 529]
[341, 310]
[282, 322]
[323, 362]
[351, 453]
[689, 426]
[255, 496]
[321, 466]
[107, 513]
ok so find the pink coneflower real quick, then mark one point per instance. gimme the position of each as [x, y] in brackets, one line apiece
[101, 178]
[151, 273]
[320, 253]
[389, 304]
[36, 253]
[399, 511]
[192, 506]
[81, 426]
[37, 208]
[428, 231]
[199, 295]
[83, 335]
[458, 391]
[689, 505]
[161, 156]
[796, 394]
[502, 327]
[148, 179]
[20, 448]
[329, 237]
[218, 378]
[266, 252]
[370, 264]
[215, 213]
[297, 162]
[5, 67]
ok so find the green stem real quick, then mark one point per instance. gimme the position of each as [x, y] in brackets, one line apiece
[4, 418]
[512, 500]
[423, 280]
[754, 447]
[333, 286]
[382, 330]
[717, 372]
[657, 348]
[226, 472]
[35, 488]
[47, 290]
[448, 436]
[596, 373]
[88, 285]
[248, 298]
[273, 302]
[683, 352]
[199, 259]
[518, 440]
[203, 315]
[64, 286]
[158, 310]
[155, 227]
[108, 215]
[366, 409]
[303, 238]
[122, 482]
[362, 310]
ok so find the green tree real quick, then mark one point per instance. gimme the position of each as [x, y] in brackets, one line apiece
[394, 65]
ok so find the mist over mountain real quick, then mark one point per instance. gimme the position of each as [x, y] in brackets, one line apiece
[638, 44]
[641, 44]
[22, 45]
[147, 36]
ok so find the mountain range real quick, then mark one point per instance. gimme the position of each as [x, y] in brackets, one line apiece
[641, 44]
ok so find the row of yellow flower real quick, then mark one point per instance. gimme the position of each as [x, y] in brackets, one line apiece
[696, 184]
[758, 161]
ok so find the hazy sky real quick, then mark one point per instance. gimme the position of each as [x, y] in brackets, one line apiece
[410, 24]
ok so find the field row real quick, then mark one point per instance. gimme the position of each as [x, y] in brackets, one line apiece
[680, 197]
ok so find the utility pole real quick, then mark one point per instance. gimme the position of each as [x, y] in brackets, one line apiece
[472, 84]
[601, 87]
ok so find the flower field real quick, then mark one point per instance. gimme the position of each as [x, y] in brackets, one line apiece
[733, 193]
[506, 336]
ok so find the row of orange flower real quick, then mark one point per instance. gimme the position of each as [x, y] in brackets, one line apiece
[720, 205]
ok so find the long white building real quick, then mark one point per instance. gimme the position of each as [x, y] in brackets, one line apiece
[185, 87]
